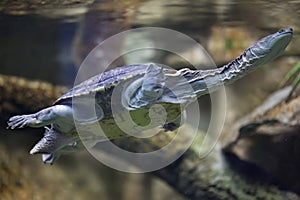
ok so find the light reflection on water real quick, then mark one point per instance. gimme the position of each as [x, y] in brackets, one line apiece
[51, 47]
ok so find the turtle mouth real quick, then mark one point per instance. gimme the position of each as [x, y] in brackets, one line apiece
[271, 46]
[280, 44]
[279, 40]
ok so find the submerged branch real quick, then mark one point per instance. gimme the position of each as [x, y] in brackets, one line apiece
[269, 139]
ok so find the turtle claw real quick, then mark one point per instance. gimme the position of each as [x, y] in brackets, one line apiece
[20, 121]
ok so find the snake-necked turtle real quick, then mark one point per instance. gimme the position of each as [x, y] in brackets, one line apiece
[140, 86]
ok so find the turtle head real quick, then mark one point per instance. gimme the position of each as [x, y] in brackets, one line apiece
[268, 48]
[54, 144]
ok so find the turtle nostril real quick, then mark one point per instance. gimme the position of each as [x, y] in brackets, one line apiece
[285, 30]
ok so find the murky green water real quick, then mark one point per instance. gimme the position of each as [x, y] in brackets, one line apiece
[48, 40]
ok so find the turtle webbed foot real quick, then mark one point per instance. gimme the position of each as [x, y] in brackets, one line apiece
[42, 118]
[21, 121]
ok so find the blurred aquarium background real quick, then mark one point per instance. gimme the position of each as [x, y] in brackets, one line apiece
[48, 40]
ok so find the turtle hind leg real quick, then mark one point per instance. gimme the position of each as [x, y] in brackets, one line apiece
[39, 119]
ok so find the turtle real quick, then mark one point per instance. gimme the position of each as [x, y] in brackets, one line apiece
[134, 89]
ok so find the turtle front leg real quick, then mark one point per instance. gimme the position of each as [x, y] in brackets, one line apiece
[42, 118]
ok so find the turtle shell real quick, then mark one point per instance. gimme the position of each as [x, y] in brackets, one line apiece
[102, 82]
[99, 89]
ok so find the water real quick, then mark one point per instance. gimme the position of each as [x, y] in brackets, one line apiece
[48, 41]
